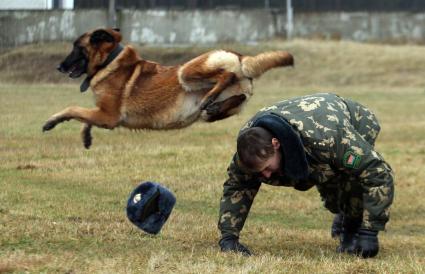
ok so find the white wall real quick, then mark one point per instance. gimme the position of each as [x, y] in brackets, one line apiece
[208, 27]
[33, 4]
[68, 4]
[25, 4]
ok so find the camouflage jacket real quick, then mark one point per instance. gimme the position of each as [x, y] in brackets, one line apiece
[337, 136]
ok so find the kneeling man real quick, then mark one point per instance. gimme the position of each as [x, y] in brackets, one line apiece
[320, 140]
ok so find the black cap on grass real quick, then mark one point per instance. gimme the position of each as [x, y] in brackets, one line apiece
[149, 206]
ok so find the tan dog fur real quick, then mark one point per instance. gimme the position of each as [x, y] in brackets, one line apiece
[140, 94]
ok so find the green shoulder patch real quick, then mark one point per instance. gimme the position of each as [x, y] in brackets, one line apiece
[351, 159]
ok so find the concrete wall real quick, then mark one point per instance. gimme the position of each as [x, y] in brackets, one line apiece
[205, 27]
[183, 27]
[23, 27]
[362, 26]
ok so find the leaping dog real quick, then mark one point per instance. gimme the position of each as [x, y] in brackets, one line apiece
[139, 94]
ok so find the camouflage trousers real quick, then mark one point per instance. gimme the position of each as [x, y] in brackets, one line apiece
[343, 193]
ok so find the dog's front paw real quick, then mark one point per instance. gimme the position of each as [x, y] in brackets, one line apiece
[86, 136]
[51, 123]
[87, 141]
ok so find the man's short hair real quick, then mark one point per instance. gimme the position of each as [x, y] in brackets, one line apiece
[254, 147]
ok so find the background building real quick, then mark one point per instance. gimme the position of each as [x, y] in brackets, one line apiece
[213, 21]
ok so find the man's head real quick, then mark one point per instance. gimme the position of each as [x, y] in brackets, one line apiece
[258, 150]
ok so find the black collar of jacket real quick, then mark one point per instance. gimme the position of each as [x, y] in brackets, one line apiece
[294, 162]
[114, 53]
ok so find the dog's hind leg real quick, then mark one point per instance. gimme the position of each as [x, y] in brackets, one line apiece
[223, 80]
[95, 116]
[223, 109]
[86, 135]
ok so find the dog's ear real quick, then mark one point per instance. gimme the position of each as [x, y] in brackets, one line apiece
[101, 36]
[116, 34]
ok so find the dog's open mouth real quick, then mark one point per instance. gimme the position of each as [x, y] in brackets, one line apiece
[78, 69]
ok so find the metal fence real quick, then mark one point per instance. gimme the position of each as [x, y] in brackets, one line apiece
[298, 5]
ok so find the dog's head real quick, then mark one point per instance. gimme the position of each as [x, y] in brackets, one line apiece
[90, 51]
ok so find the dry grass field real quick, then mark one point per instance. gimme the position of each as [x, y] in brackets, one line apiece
[62, 207]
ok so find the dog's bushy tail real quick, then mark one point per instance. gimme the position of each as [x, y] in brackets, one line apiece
[254, 66]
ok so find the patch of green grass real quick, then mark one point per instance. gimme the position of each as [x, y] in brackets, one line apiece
[63, 207]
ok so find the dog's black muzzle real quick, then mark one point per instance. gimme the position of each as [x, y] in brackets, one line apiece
[61, 68]
[76, 69]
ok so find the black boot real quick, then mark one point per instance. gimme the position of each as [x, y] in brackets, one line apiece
[336, 228]
[231, 243]
[347, 242]
[349, 236]
[367, 244]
